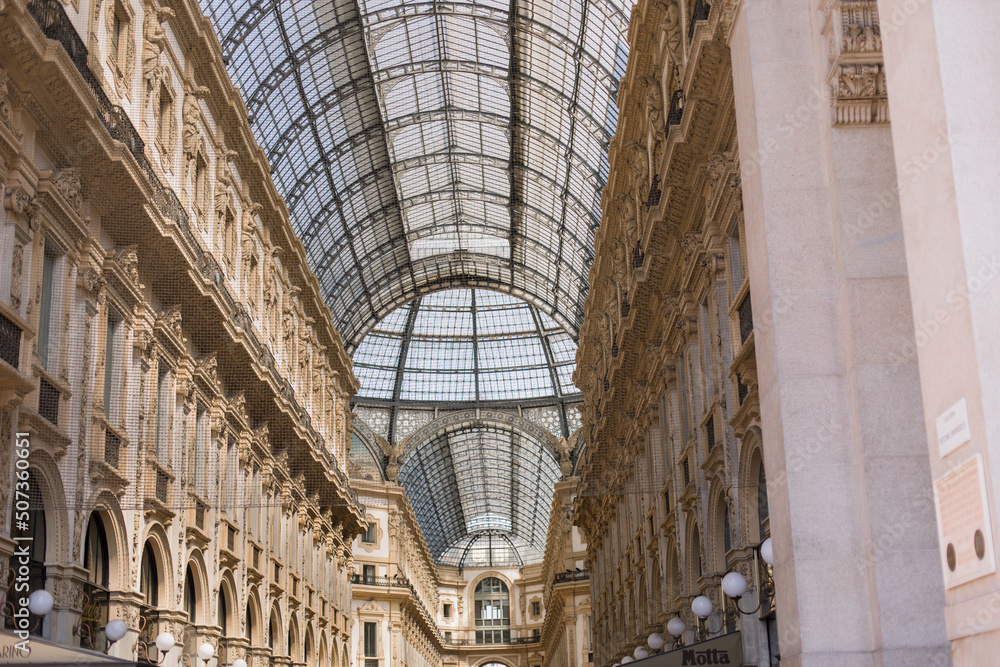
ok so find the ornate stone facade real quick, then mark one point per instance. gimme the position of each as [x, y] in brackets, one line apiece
[726, 363]
[187, 481]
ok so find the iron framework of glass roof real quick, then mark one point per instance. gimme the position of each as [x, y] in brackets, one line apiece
[421, 145]
[482, 493]
[463, 347]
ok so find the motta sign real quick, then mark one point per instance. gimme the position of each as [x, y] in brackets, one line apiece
[725, 650]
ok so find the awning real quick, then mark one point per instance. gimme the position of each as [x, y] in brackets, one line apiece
[43, 652]
[724, 650]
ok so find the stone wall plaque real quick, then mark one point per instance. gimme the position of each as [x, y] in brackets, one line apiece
[965, 531]
[953, 428]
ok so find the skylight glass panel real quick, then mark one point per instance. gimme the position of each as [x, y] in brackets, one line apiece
[378, 350]
[384, 130]
[375, 382]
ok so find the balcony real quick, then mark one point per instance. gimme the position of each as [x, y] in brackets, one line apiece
[701, 12]
[112, 447]
[10, 342]
[48, 401]
[745, 311]
[571, 575]
[11, 334]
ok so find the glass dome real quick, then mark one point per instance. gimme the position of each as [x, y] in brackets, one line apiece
[465, 346]
[491, 548]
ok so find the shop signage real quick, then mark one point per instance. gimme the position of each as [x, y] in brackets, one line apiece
[725, 650]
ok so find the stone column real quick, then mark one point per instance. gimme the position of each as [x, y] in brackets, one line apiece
[848, 476]
[940, 58]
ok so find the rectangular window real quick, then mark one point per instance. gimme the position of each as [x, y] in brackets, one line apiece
[371, 639]
[116, 33]
[682, 398]
[112, 366]
[368, 572]
[164, 116]
[368, 537]
[255, 503]
[536, 608]
[705, 343]
[735, 262]
[200, 183]
[231, 476]
[162, 412]
[199, 460]
[447, 611]
[45, 314]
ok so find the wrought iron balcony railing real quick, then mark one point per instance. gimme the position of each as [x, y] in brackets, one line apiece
[571, 575]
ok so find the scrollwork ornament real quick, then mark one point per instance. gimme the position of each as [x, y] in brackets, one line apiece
[68, 184]
[17, 268]
[6, 114]
[128, 259]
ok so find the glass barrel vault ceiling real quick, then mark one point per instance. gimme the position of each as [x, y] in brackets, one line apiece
[421, 145]
[465, 345]
[477, 482]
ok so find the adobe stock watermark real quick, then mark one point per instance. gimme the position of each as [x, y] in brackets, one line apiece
[901, 12]
[18, 591]
[910, 172]
[789, 124]
[956, 299]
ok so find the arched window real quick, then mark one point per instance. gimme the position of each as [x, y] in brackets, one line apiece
[95, 558]
[723, 536]
[492, 602]
[149, 579]
[249, 633]
[697, 568]
[33, 531]
[762, 511]
[223, 612]
[190, 596]
[307, 654]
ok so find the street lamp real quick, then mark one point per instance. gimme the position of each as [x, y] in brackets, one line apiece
[206, 652]
[676, 627]
[655, 642]
[114, 631]
[40, 602]
[734, 584]
[702, 608]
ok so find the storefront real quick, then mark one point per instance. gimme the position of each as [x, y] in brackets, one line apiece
[724, 650]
